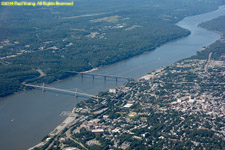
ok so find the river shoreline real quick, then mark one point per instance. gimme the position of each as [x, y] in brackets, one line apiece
[145, 77]
[46, 107]
[96, 68]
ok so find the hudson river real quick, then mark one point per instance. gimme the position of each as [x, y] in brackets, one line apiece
[28, 116]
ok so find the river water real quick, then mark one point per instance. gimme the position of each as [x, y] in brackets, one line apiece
[25, 118]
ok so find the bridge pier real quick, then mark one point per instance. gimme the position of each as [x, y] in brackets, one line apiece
[76, 95]
[103, 75]
[43, 87]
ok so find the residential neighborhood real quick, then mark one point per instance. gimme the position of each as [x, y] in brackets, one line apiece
[177, 106]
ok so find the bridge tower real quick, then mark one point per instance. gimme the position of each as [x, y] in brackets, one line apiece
[43, 87]
[76, 95]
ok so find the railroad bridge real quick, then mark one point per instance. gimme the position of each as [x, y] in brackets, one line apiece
[101, 75]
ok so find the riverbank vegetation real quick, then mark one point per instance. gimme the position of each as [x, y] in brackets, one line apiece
[179, 107]
[90, 34]
[217, 24]
[218, 48]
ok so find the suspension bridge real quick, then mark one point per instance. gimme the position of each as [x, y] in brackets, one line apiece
[75, 93]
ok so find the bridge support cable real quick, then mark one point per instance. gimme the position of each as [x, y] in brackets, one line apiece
[76, 93]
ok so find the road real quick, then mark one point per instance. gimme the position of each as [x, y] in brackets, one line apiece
[207, 63]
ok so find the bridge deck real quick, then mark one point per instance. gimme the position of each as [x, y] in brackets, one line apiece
[60, 90]
[102, 75]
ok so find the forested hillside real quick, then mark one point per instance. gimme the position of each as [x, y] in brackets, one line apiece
[40, 44]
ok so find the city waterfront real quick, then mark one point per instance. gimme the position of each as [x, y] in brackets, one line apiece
[28, 116]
